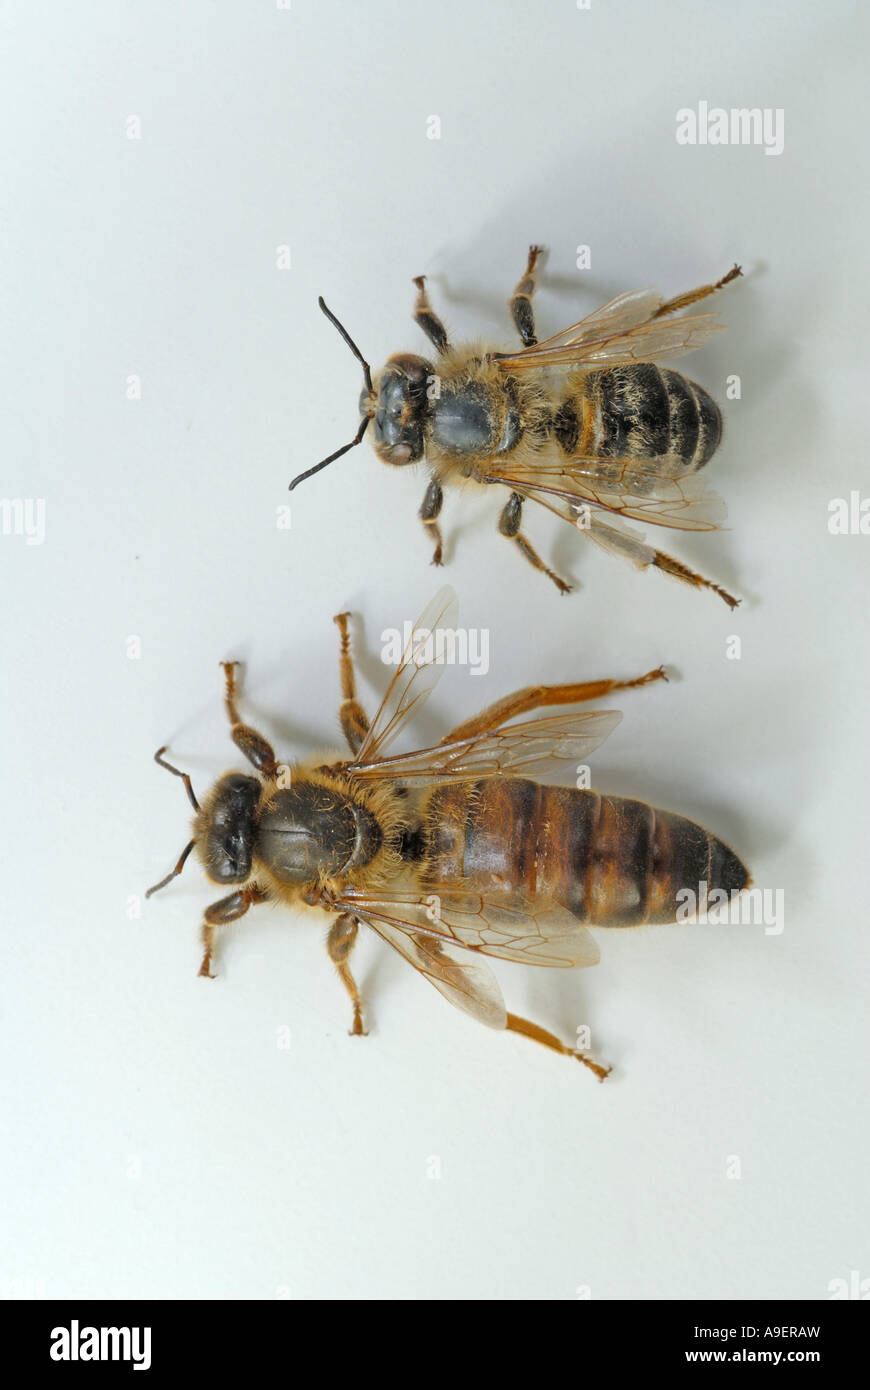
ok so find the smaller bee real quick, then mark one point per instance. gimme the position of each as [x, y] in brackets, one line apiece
[585, 423]
[450, 853]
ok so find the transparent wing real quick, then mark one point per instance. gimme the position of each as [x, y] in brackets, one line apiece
[418, 672]
[615, 535]
[533, 747]
[507, 926]
[470, 986]
[618, 315]
[644, 342]
[645, 489]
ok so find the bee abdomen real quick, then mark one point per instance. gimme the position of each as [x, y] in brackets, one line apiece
[610, 860]
[644, 411]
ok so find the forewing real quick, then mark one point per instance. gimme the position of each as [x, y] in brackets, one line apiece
[531, 748]
[507, 926]
[469, 985]
[618, 315]
[646, 490]
[415, 677]
[645, 342]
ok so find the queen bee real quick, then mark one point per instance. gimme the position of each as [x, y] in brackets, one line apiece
[450, 853]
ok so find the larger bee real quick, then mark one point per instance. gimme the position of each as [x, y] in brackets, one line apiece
[449, 853]
[608, 432]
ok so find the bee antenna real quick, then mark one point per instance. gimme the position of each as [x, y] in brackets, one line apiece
[351, 344]
[175, 872]
[317, 467]
[185, 776]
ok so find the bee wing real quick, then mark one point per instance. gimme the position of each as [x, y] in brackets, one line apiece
[642, 342]
[508, 926]
[535, 746]
[615, 536]
[618, 315]
[419, 670]
[645, 489]
[470, 986]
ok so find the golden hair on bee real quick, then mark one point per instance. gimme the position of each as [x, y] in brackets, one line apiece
[586, 423]
[453, 852]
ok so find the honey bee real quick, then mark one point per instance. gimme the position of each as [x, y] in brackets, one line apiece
[585, 423]
[450, 853]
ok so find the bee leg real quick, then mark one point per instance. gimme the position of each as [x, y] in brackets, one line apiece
[228, 909]
[339, 944]
[257, 749]
[668, 565]
[509, 525]
[354, 720]
[515, 1024]
[540, 697]
[429, 513]
[682, 301]
[520, 302]
[426, 318]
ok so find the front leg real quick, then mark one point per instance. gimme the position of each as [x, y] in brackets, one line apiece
[426, 318]
[429, 513]
[520, 302]
[509, 525]
[228, 909]
[257, 749]
[339, 944]
[354, 720]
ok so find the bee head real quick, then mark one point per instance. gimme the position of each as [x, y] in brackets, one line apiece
[397, 407]
[226, 826]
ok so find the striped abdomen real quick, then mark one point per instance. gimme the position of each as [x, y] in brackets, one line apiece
[639, 411]
[611, 861]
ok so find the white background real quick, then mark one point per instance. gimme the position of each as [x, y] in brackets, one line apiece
[303, 1171]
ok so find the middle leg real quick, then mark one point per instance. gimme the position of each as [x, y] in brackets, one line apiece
[339, 944]
[520, 301]
[509, 525]
[430, 511]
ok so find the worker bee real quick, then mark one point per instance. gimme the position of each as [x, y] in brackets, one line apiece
[585, 423]
[450, 853]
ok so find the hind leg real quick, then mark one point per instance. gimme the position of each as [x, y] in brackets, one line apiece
[668, 565]
[515, 1024]
[543, 697]
[682, 301]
